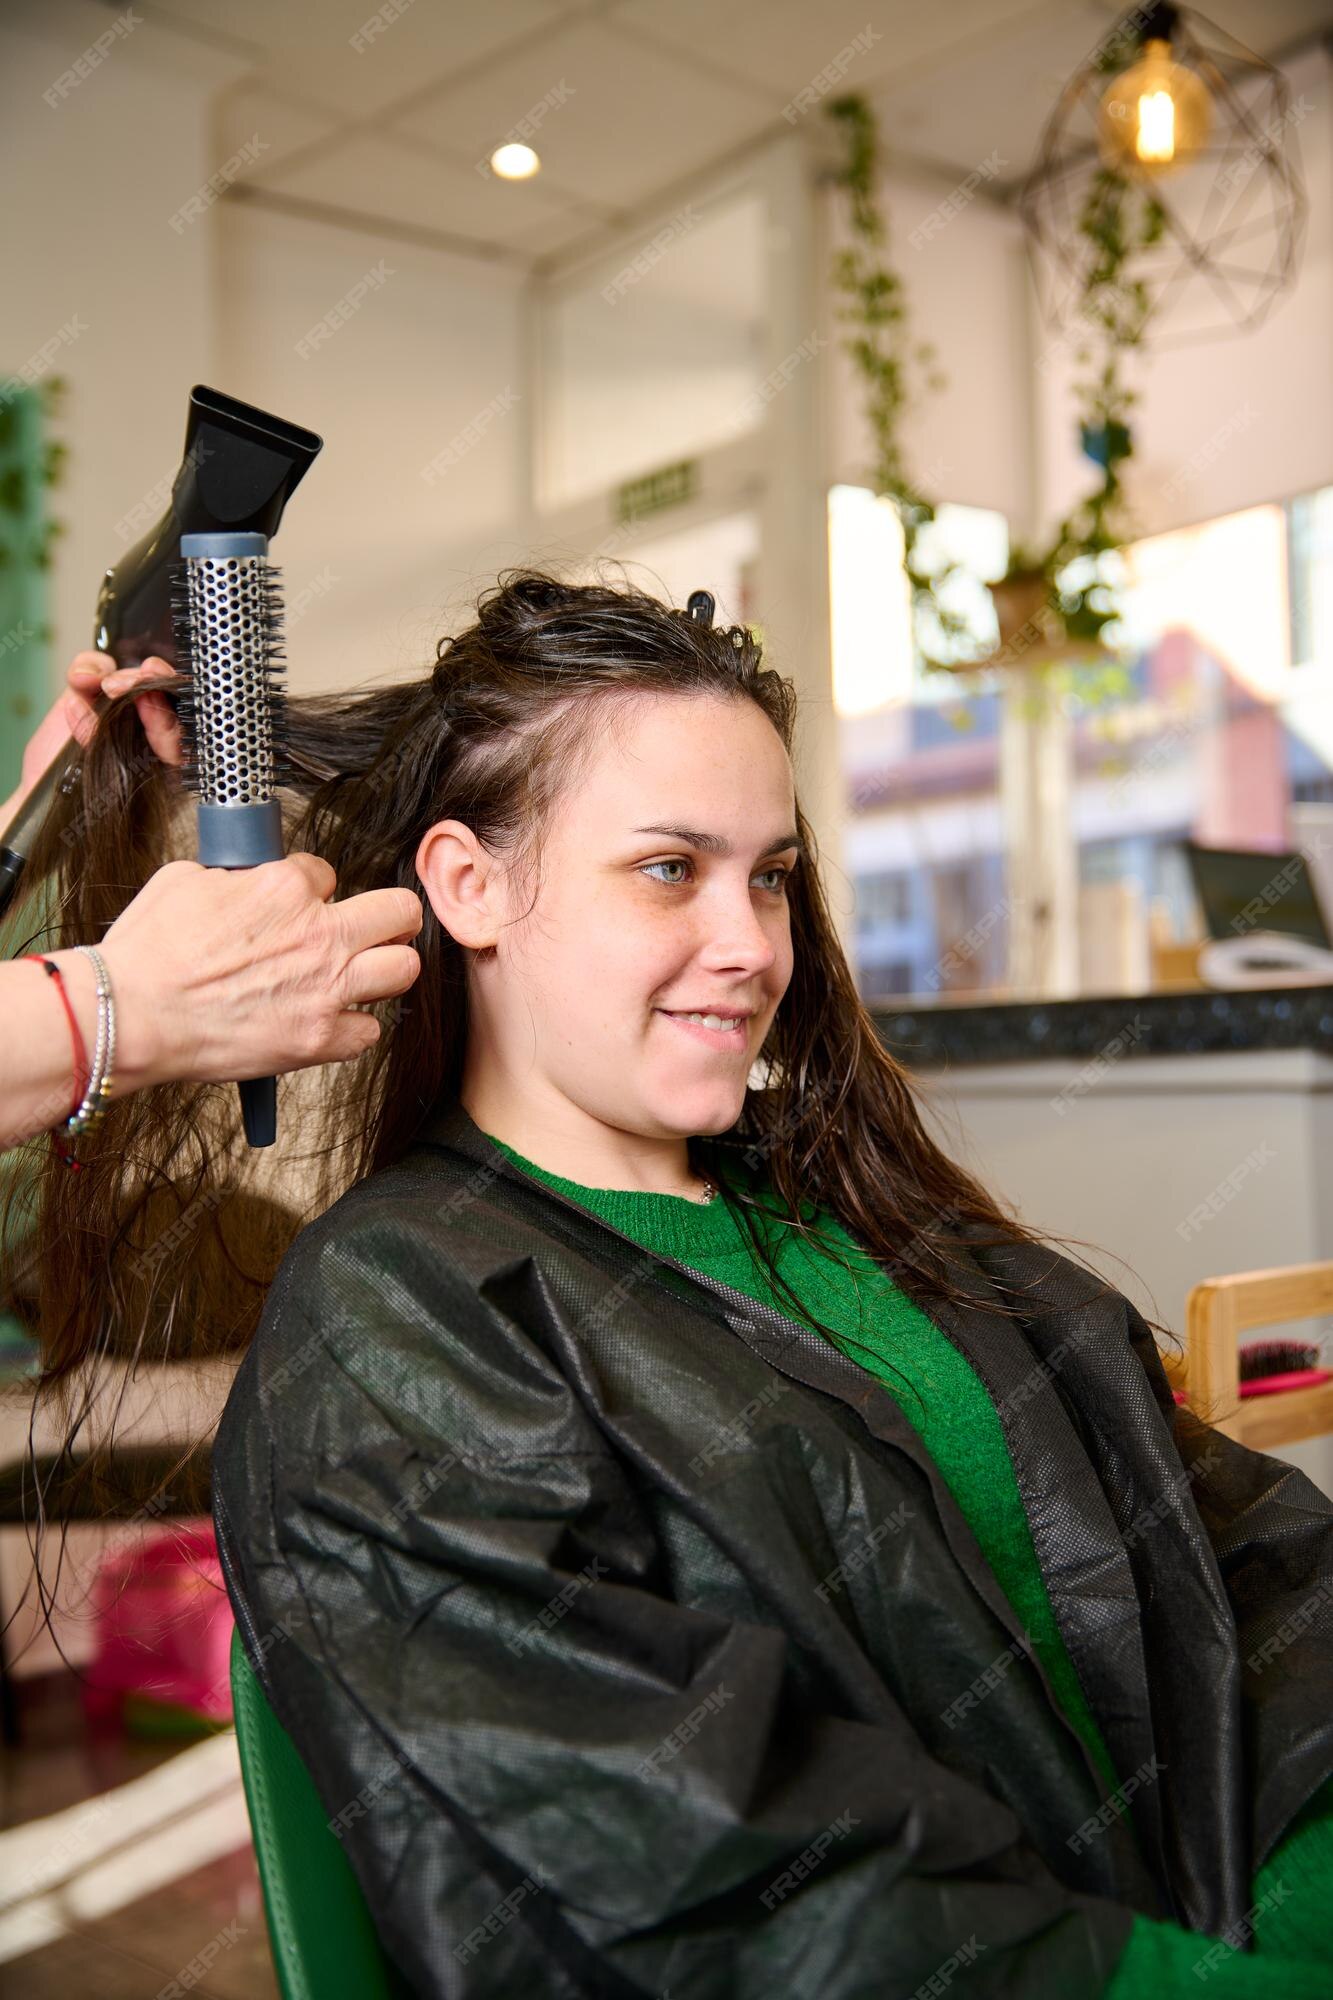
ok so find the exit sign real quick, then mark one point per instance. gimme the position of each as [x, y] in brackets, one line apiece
[669, 486]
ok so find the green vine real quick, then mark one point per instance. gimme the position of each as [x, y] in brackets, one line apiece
[889, 363]
[21, 543]
[1119, 219]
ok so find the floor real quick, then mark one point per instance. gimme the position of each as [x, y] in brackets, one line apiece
[87, 1819]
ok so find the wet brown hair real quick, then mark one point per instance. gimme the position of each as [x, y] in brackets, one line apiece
[492, 734]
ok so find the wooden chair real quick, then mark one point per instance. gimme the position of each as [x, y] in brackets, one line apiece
[1217, 1312]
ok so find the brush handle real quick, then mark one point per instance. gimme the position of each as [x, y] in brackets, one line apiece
[1291, 1378]
[243, 837]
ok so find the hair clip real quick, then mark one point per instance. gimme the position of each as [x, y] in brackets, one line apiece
[700, 605]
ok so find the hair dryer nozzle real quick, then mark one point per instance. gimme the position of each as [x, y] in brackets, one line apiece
[239, 468]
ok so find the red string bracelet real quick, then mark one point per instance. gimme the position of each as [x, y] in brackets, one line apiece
[81, 1072]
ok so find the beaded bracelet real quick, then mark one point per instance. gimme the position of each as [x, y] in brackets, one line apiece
[90, 1113]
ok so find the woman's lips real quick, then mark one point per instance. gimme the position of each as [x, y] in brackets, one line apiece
[730, 1039]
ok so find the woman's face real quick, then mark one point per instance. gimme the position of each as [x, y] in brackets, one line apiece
[633, 927]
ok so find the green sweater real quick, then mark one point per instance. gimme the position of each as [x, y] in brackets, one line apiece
[881, 1328]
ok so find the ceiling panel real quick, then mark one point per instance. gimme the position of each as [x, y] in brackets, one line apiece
[377, 175]
[617, 120]
[628, 98]
[246, 113]
[783, 45]
[305, 47]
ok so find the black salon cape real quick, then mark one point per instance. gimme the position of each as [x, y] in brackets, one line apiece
[567, 1569]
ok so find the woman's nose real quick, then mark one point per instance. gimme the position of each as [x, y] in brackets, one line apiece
[735, 933]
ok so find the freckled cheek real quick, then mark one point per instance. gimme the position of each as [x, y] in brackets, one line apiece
[629, 955]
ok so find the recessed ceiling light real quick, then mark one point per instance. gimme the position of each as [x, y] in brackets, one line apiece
[515, 162]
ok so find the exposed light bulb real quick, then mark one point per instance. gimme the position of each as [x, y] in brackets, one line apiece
[1156, 136]
[1156, 114]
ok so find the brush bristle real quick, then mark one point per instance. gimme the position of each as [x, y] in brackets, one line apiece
[1276, 1357]
[271, 669]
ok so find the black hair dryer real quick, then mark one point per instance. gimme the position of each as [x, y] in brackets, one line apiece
[239, 468]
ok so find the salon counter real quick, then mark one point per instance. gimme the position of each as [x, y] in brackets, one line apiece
[1190, 1134]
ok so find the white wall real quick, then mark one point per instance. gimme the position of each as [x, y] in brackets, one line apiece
[966, 288]
[90, 186]
[93, 182]
[419, 395]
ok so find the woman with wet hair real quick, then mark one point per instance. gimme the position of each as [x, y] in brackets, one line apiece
[699, 1541]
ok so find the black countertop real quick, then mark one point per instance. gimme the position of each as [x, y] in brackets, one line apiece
[1123, 1024]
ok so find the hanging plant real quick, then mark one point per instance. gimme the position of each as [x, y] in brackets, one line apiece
[1052, 598]
[30, 465]
[1120, 218]
[890, 363]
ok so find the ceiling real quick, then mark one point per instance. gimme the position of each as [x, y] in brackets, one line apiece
[390, 115]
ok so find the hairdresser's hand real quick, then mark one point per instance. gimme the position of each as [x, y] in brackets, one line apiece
[74, 713]
[223, 973]
[91, 674]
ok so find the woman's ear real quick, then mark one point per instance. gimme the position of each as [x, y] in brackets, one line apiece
[462, 883]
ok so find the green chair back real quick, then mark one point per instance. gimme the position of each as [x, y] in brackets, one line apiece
[320, 1931]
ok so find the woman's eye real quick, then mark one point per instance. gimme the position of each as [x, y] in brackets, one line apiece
[780, 888]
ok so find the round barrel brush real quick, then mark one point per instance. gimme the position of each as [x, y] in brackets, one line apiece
[226, 606]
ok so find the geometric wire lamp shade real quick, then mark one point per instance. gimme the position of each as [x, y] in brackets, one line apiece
[1193, 119]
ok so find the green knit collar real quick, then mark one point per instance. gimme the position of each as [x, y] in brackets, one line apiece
[671, 1223]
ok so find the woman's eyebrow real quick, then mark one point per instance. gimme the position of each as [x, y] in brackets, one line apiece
[715, 843]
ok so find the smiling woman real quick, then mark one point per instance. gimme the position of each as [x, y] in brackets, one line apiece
[764, 1576]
